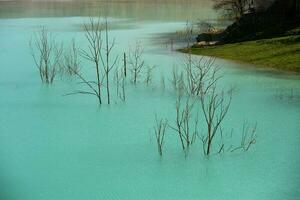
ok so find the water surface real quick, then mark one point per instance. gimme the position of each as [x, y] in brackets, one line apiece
[58, 147]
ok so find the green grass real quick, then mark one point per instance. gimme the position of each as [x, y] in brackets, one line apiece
[281, 53]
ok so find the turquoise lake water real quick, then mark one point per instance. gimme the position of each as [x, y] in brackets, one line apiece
[56, 147]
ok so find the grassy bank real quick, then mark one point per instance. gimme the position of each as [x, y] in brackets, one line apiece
[281, 53]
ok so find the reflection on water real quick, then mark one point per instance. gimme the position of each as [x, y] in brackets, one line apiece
[141, 9]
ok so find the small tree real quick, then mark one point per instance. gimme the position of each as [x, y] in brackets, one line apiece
[198, 75]
[120, 83]
[183, 123]
[177, 81]
[175, 78]
[248, 137]
[162, 82]
[189, 33]
[46, 54]
[71, 63]
[136, 61]
[149, 74]
[215, 107]
[159, 131]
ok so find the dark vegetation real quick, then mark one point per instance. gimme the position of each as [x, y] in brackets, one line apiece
[264, 33]
[256, 20]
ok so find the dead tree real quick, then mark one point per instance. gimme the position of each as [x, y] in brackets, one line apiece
[46, 54]
[162, 82]
[93, 54]
[90, 84]
[136, 61]
[192, 76]
[159, 131]
[120, 83]
[248, 137]
[200, 81]
[98, 52]
[123, 83]
[196, 75]
[106, 60]
[149, 74]
[71, 63]
[215, 105]
[188, 33]
[125, 64]
[200, 74]
[175, 78]
[183, 124]
[93, 32]
[178, 82]
[117, 81]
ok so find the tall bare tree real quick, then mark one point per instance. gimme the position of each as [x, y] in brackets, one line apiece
[106, 59]
[93, 34]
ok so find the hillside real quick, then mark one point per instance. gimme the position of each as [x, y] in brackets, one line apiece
[282, 53]
[269, 38]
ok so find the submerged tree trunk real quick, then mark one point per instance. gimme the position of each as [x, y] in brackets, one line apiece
[125, 64]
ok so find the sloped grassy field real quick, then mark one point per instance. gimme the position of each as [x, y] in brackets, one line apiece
[281, 53]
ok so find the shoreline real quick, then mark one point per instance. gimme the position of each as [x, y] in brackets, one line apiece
[280, 54]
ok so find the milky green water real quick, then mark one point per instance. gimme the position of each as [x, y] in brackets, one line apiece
[57, 147]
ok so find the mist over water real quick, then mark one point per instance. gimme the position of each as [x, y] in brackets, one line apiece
[67, 147]
[141, 9]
